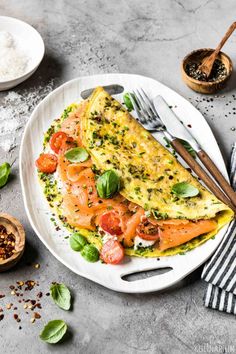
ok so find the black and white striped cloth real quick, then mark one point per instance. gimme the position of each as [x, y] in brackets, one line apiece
[220, 271]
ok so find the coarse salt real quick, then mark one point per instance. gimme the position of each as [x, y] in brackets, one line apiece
[13, 60]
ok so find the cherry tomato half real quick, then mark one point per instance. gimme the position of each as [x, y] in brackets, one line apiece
[148, 231]
[57, 140]
[112, 252]
[110, 222]
[46, 163]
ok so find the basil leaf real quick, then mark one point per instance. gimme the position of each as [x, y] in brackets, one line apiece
[108, 184]
[90, 253]
[61, 295]
[77, 242]
[53, 331]
[5, 170]
[77, 154]
[188, 147]
[184, 190]
[127, 101]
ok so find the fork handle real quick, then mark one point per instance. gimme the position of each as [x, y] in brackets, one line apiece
[193, 164]
[211, 167]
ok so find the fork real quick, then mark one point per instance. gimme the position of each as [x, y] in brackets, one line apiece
[150, 120]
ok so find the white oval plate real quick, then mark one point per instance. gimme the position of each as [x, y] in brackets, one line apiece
[30, 42]
[39, 212]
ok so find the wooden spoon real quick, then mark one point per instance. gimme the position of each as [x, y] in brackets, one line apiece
[207, 63]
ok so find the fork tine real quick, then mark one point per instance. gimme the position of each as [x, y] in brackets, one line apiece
[137, 110]
[142, 105]
[152, 119]
[147, 106]
[150, 102]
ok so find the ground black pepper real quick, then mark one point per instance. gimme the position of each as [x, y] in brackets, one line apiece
[218, 71]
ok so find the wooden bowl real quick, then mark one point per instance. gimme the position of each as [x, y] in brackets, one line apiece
[12, 225]
[203, 86]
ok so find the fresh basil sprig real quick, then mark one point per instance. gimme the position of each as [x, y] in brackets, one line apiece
[108, 184]
[184, 190]
[54, 331]
[77, 154]
[61, 295]
[77, 242]
[5, 170]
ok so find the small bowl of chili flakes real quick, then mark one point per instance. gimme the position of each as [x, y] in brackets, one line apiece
[12, 241]
[220, 74]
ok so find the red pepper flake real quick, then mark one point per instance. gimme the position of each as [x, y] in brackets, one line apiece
[7, 243]
[37, 315]
[16, 317]
[29, 285]
[40, 294]
[2, 295]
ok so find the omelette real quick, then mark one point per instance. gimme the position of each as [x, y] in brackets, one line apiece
[112, 183]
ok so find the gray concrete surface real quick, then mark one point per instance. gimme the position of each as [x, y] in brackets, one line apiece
[94, 36]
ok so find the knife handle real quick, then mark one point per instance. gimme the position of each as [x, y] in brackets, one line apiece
[200, 172]
[211, 167]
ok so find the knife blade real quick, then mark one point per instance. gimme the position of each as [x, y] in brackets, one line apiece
[111, 89]
[172, 123]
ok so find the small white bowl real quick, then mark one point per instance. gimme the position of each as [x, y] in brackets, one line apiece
[32, 44]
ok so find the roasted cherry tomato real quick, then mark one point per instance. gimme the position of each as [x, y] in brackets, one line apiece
[110, 222]
[112, 252]
[57, 140]
[46, 163]
[148, 231]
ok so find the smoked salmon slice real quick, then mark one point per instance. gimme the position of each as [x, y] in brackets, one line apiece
[174, 235]
[131, 227]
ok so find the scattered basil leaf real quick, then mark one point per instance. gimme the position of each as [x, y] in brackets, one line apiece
[108, 184]
[127, 101]
[5, 170]
[77, 154]
[90, 253]
[77, 242]
[184, 190]
[188, 147]
[61, 295]
[54, 331]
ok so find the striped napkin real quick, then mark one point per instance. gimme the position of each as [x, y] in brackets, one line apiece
[220, 271]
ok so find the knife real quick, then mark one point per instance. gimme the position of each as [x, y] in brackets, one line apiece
[177, 131]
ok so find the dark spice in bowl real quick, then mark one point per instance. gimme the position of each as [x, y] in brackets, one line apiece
[7, 243]
[219, 71]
